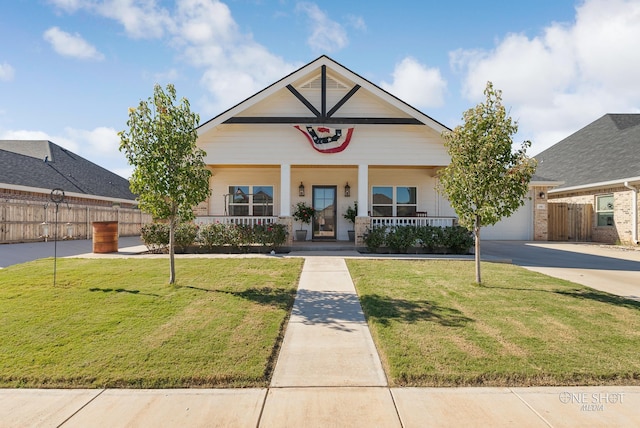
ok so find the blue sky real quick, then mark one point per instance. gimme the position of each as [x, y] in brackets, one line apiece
[69, 69]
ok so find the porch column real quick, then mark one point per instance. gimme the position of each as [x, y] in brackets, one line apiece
[363, 190]
[285, 190]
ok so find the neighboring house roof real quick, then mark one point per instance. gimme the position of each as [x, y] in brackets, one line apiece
[308, 76]
[40, 165]
[605, 151]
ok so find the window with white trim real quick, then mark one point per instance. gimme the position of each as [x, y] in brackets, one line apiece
[392, 201]
[250, 200]
[604, 210]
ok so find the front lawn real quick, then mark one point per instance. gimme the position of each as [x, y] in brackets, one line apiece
[434, 327]
[117, 322]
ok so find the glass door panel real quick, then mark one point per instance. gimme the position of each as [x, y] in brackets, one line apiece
[324, 202]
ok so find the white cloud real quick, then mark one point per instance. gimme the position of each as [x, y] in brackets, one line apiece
[357, 22]
[566, 77]
[235, 66]
[72, 45]
[6, 72]
[141, 19]
[205, 21]
[205, 35]
[70, 5]
[417, 84]
[99, 142]
[327, 35]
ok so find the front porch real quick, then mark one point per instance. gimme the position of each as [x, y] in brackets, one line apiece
[361, 226]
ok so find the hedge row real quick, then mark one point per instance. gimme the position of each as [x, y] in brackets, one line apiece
[432, 239]
[212, 237]
[231, 237]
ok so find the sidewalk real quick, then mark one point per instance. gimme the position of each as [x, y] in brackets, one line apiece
[328, 374]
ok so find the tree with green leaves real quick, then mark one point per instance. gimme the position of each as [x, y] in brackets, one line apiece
[170, 176]
[486, 179]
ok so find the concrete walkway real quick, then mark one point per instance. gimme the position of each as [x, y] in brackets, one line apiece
[328, 374]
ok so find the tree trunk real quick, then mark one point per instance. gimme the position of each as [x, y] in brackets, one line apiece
[476, 231]
[172, 265]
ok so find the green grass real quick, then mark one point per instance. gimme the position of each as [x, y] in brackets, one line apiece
[434, 327]
[117, 322]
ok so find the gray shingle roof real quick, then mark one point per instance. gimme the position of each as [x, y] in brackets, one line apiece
[605, 150]
[45, 165]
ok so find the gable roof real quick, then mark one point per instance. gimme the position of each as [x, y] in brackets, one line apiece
[309, 76]
[42, 165]
[607, 150]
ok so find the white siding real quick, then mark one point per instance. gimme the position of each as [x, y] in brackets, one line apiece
[277, 144]
[365, 104]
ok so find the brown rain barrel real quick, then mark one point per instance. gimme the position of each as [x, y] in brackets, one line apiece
[105, 236]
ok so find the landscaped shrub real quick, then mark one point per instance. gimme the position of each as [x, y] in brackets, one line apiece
[155, 236]
[212, 235]
[374, 238]
[429, 237]
[185, 235]
[456, 239]
[219, 235]
[401, 238]
[241, 237]
[270, 235]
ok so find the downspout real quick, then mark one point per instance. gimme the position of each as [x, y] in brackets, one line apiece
[634, 210]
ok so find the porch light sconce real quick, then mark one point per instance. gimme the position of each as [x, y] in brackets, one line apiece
[347, 190]
[301, 189]
[542, 195]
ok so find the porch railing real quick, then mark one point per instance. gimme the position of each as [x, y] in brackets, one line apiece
[375, 221]
[239, 220]
[413, 221]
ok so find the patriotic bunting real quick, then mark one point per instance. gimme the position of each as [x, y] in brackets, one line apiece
[326, 140]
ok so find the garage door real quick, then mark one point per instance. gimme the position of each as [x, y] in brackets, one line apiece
[518, 227]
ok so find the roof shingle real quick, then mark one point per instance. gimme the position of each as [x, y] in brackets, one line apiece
[45, 165]
[605, 150]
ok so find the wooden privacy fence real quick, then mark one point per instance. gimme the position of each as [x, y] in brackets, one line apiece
[23, 222]
[570, 222]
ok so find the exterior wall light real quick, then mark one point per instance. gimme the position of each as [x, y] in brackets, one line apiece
[301, 189]
[347, 190]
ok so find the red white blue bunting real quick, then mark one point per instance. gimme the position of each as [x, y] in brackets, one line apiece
[326, 140]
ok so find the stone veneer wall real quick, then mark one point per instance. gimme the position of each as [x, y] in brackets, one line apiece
[287, 221]
[361, 226]
[540, 214]
[621, 231]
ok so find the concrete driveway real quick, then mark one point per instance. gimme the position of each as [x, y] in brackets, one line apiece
[12, 254]
[602, 267]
